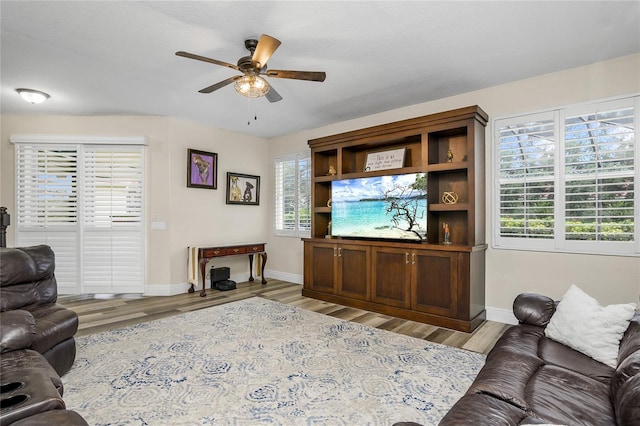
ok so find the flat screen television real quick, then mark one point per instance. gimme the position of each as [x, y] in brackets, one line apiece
[383, 207]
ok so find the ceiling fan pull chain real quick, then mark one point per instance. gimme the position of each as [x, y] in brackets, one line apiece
[248, 111]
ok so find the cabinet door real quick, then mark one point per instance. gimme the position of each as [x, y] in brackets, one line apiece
[320, 274]
[354, 266]
[434, 282]
[391, 276]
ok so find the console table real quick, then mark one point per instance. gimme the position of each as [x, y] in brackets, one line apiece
[205, 254]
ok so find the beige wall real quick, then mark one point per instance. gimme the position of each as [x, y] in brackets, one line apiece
[198, 216]
[610, 279]
[192, 216]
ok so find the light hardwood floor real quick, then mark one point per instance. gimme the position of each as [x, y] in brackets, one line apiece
[106, 312]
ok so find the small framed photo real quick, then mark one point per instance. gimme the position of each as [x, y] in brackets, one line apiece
[243, 189]
[202, 169]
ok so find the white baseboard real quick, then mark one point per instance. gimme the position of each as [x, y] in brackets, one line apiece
[284, 276]
[165, 290]
[501, 315]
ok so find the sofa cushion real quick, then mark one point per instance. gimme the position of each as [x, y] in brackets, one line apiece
[17, 330]
[554, 353]
[54, 324]
[27, 277]
[582, 324]
[565, 397]
[483, 410]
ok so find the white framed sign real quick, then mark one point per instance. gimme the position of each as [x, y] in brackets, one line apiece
[385, 160]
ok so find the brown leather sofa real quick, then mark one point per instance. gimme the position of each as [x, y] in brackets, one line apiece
[36, 340]
[530, 379]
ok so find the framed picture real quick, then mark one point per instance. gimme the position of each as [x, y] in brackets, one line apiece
[202, 169]
[243, 189]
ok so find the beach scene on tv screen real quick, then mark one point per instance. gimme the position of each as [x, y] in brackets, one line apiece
[387, 207]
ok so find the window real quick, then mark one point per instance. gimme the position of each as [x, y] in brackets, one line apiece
[85, 200]
[293, 195]
[565, 179]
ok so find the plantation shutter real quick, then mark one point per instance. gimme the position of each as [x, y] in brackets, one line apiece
[526, 162]
[304, 194]
[84, 196]
[113, 222]
[292, 195]
[599, 173]
[47, 205]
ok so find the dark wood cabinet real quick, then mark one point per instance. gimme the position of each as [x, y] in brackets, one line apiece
[320, 267]
[341, 269]
[427, 280]
[434, 282]
[391, 277]
[354, 268]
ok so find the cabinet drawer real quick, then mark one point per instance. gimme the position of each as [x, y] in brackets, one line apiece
[235, 250]
[255, 249]
[213, 252]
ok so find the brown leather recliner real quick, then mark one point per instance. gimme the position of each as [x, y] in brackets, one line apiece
[30, 318]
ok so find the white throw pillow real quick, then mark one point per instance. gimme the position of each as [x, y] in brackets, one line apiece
[582, 324]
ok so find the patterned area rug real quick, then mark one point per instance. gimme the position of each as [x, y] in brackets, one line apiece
[257, 361]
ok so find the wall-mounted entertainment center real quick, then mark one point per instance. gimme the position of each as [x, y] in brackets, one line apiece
[418, 274]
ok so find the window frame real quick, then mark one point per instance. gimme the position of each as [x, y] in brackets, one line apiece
[559, 242]
[278, 218]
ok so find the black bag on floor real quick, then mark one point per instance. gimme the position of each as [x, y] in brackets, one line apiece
[226, 285]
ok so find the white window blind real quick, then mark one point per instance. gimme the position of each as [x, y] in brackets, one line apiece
[47, 206]
[293, 195]
[526, 161]
[599, 175]
[112, 233]
[565, 179]
[86, 202]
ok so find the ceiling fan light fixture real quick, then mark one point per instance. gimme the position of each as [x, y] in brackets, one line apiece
[252, 86]
[33, 96]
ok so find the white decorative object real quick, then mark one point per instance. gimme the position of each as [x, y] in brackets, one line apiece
[385, 160]
[582, 324]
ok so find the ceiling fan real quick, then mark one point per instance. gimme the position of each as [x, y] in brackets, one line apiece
[250, 83]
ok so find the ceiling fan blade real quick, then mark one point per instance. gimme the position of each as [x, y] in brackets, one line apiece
[272, 95]
[205, 59]
[265, 48]
[220, 84]
[297, 75]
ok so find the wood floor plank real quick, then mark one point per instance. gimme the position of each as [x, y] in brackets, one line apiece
[99, 313]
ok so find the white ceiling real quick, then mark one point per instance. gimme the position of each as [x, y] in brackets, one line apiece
[118, 57]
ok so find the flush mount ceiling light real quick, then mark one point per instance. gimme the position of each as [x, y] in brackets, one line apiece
[32, 96]
[251, 86]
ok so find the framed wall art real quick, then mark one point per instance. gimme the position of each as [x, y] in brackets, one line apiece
[202, 169]
[243, 189]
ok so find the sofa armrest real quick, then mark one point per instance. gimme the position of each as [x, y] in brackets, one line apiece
[17, 330]
[533, 309]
